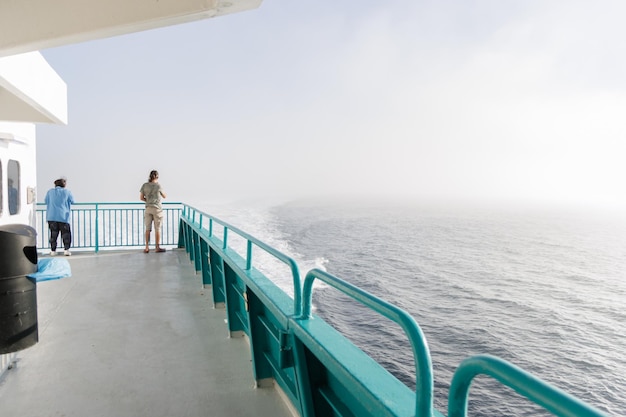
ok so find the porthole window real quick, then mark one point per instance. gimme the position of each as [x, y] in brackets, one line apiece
[13, 186]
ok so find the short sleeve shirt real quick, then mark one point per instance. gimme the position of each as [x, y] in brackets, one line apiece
[152, 192]
[59, 201]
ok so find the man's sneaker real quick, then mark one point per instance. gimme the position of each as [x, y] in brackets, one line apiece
[53, 253]
[67, 253]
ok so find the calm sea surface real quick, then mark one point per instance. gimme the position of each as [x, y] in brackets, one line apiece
[543, 290]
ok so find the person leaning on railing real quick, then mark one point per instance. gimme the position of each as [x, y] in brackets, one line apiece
[151, 193]
[58, 201]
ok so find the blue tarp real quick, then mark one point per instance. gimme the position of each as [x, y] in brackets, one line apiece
[51, 268]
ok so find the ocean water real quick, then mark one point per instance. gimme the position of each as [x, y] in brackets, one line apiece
[545, 290]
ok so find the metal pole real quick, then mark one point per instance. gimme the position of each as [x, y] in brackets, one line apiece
[97, 230]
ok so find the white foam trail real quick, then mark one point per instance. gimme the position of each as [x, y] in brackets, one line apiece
[257, 220]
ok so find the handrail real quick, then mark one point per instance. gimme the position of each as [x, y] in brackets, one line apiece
[190, 212]
[421, 355]
[115, 203]
[525, 384]
[533, 388]
[110, 224]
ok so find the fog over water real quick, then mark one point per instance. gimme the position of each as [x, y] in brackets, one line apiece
[480, 100]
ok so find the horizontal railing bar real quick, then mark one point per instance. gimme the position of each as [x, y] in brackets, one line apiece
[118, 203]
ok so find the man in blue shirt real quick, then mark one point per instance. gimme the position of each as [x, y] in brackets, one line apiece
[58, 201]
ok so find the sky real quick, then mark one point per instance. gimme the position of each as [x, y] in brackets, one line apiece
[501, 101]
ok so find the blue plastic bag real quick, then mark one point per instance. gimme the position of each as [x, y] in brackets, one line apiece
[51, 268]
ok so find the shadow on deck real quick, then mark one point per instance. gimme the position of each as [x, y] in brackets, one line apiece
[133, 334]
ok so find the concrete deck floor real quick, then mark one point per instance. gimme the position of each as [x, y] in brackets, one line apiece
[133, 334]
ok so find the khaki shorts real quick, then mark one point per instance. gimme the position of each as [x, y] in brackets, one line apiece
[155, 215]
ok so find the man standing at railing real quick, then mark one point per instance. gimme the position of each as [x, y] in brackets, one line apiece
[59, 201]
[151, 193]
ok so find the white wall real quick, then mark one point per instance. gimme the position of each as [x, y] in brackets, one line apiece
[17, 142]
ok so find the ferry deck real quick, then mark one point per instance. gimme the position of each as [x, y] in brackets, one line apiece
[133, 334]
[136, 334]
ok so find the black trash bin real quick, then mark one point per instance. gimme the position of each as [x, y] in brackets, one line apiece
[18, 293]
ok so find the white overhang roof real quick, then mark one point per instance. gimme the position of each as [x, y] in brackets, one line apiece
[30, 25]
[31, 91]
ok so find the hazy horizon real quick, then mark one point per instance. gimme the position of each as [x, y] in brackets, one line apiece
[477, 101]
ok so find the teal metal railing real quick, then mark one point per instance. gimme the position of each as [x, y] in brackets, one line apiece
[205, 221]
[320, 371]
[96, 226]
[540, 392]
[421, 355]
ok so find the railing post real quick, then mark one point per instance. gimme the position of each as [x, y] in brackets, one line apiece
[249, 256]
[97, 230]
